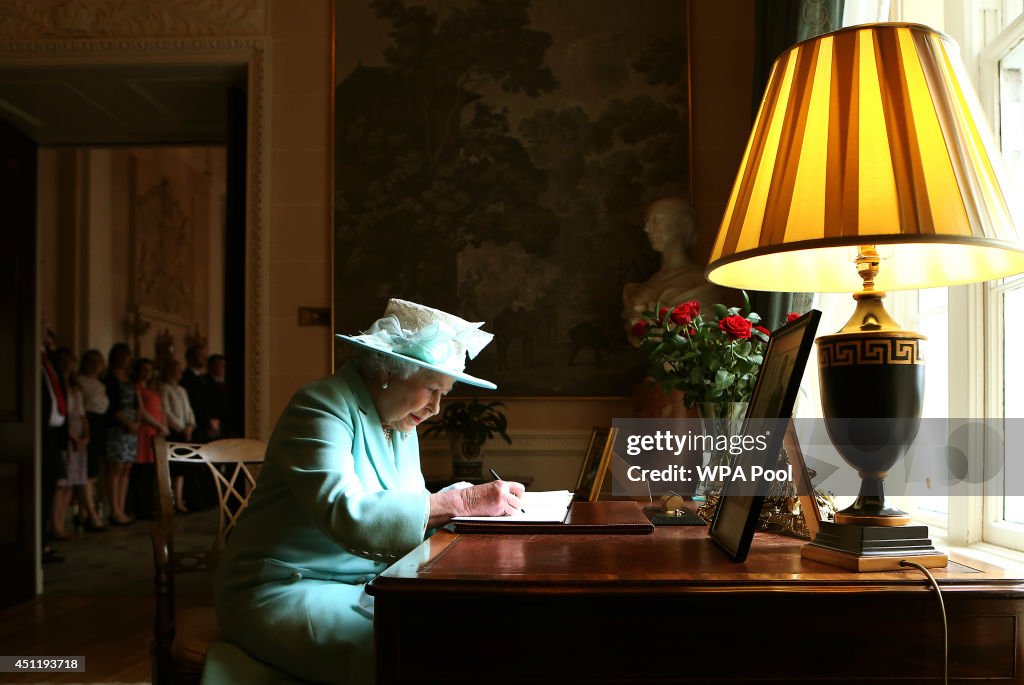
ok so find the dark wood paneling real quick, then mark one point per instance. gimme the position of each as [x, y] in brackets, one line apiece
[19, 374]
[12, 315]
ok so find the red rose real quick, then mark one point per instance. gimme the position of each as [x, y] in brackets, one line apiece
[640, 329]
[763, 330]
[685, 313]
[735, 326]
[793, 316]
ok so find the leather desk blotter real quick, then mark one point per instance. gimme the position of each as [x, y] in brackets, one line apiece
[619, 518]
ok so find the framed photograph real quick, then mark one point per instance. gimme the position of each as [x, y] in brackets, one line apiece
[805, 489]
[774, 396]
[595, 465]
[495, 160]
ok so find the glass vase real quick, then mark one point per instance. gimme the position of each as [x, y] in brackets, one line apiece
[718, 419]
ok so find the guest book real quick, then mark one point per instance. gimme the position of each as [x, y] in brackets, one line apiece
[619, 518]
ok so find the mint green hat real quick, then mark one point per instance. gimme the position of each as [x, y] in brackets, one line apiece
[427, 337]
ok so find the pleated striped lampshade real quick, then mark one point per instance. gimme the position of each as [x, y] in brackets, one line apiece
[870, 135]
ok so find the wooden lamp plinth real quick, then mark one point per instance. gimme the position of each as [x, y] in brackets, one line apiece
[873, 548]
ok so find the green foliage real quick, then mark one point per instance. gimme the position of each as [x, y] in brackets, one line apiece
[697, 354]
[475, 421]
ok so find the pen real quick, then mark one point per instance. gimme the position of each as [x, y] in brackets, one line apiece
[495, 476]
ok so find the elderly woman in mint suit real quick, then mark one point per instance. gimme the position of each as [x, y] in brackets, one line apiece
[339, 498]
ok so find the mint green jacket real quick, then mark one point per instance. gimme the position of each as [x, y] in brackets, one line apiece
[334, 505]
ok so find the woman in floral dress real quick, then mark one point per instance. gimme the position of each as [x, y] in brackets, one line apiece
[123, 431]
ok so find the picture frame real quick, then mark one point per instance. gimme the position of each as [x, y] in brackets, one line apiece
[595, 464]
[774, 396]
[804, 487]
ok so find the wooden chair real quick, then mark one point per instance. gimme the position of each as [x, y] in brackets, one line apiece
[182, 638]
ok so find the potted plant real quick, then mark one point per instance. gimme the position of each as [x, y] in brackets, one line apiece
[468, 425]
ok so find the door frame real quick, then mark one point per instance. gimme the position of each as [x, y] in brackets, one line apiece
[253, 53]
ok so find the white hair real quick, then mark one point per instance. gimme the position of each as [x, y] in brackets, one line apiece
[371, 362]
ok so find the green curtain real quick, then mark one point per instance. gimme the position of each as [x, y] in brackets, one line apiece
[780, 24]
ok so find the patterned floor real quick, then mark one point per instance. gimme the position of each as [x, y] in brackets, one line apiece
[120, 561]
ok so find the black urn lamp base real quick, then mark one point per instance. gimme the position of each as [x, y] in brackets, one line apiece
[872, 511]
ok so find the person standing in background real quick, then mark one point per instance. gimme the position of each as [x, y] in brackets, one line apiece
[217, 397]
[76, 484]
[181, 421]
[151, 424]
[74, 450]
[198, 489]
[94, 396]
[53, 439]
[122, 431]
[193, 379]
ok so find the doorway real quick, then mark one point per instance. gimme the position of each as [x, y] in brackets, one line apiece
[154, 135]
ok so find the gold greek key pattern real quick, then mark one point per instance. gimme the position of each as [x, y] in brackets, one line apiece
[865, 351]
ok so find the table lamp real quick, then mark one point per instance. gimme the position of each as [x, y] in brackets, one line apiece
[869, 168]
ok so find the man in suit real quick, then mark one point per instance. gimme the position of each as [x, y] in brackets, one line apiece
[217, 397]
[193, 379]
[199, 489]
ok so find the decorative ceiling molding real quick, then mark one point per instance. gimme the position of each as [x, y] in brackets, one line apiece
[64, 19]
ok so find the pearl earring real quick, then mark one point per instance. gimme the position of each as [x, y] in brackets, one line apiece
[384, 385]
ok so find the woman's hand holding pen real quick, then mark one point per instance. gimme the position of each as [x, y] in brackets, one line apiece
[497, 498]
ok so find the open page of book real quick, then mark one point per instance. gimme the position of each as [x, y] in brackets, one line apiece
[539, 507]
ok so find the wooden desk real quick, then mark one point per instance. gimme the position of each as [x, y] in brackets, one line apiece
[671, 608]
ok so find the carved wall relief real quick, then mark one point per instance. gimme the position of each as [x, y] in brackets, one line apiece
[163, 234]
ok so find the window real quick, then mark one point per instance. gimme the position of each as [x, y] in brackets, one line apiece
[977, 328]
[1001, 58]
[933, 322]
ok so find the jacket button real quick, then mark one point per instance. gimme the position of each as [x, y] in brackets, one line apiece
[296, 576]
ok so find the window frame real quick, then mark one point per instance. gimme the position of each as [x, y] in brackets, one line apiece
[975, 313]
[986, 515]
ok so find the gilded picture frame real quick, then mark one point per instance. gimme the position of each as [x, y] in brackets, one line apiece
[595, 465]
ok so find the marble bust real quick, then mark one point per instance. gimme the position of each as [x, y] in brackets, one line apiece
[671, 228]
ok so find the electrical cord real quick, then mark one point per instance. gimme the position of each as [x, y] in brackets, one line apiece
[942, 608]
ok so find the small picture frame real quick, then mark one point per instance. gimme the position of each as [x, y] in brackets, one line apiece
[595, 464]
[739, 507]
[805, 489]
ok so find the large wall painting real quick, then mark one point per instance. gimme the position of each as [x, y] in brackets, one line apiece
[494, 158]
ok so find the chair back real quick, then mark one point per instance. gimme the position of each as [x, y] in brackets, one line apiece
[234, 465]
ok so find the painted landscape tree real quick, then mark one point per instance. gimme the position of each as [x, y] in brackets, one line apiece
[466, 179]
